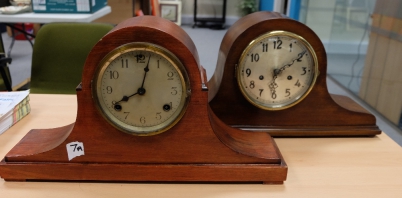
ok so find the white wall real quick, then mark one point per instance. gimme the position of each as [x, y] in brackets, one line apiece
[320, 17]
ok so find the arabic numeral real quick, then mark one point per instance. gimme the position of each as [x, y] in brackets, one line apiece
[127, 113]
[122, 63]
[142, 120]
[287, 92]
[255, 57]
[114, 74]
[109, 89]
[248, 72]
[264, 47]
[158, 115]
[174, 91]
[297, 83]
[252, 85]
[304, 70]
[277, 44]
[170, 75]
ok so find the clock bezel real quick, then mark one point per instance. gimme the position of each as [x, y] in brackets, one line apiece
[138, 130]
[276, 106]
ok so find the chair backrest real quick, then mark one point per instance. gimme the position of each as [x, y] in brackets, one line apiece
[59, 55]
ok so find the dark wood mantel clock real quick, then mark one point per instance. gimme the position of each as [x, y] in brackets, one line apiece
[271, 76]
[144, 116]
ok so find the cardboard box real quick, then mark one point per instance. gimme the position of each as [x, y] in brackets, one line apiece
[121, 10]
[67, 6]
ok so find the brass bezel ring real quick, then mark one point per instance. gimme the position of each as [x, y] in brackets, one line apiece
[254, 42]
[139, 130]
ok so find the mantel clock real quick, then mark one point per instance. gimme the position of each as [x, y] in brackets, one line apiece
[143, 115]
[271, 76]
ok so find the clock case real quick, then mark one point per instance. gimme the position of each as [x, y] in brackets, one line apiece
[319, 114]
[199, 148]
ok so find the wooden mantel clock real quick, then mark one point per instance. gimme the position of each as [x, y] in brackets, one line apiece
[144, 116]
[271, 76]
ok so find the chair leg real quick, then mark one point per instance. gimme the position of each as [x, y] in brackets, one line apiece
[26, 36]
[11, 44]
[7, 83]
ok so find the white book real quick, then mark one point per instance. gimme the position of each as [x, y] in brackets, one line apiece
[13, 107]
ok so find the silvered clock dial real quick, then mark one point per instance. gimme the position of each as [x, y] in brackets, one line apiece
[141, 88]
[277, 70]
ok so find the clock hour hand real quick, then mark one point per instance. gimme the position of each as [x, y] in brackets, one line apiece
[117, 106]
[280, 70]
[125, 98]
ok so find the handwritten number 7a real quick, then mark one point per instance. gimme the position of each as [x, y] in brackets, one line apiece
[76, 148]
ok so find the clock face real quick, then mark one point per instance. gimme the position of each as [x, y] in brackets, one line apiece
[141, 89]
[277, 70]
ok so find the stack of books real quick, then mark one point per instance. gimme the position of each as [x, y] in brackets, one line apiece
[13, 107]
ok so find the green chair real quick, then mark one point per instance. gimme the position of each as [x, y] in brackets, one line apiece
[59, 55]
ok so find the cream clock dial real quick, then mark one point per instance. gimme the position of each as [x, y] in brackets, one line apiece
[277, 70]
[141, 89]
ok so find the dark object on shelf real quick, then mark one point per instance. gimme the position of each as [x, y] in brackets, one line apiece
[143, 5]
[213, 23]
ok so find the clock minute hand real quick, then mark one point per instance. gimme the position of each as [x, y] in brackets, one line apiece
[272, 86]
[140, 91]
[280, 70]
[146, 69]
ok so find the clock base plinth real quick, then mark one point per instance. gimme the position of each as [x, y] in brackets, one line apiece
[314, 131]
[222, 173]
[322, 130]
[33, 159]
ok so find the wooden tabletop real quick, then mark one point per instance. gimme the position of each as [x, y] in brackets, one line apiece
[318, 167]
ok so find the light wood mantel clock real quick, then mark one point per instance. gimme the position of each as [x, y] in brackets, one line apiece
[271, 76]
[144, 116]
